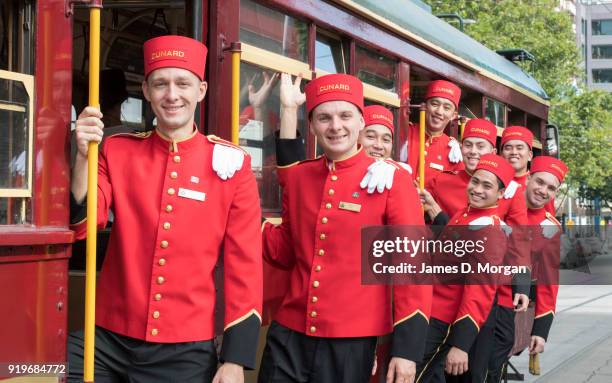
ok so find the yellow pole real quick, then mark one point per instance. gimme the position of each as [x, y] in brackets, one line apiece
[92, 198]
[235, 49]
[462, 121]
[422, 147]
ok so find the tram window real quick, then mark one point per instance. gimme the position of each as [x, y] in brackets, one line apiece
[273, 31]
[601, 27]
[376, 69]
[602, 76]
[602, 51]
[259, 120]
[16, 38]
[131, 111]
[15, 144]
[495, 112]
[331, 54]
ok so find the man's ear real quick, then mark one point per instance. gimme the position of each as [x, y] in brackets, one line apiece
[145, 90]
[202, 90]
[500, 193]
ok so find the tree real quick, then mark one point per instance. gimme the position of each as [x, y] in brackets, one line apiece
[584, 117]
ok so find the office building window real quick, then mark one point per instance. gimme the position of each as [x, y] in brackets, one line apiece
[601, 27]
[602, 51]
[602, 76]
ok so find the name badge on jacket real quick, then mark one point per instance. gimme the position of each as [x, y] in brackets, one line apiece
[191, 194]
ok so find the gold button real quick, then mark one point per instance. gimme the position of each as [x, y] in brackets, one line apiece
[456, 221]
[313, 329]
[315, 284]
[324, 220]
[168, 208]
[163, 244]
[322, 236]
[465, 214]
[154, 332]
[166, 225]
[171, 191]
[318, 268]
[177, 159]
[331, 192]
[427, 144]
[161, 262]
[314, 299]
[313, 314]
[321, 252]
[425, 152]
[157, 297]
[173, 175]
[328, 205]
[155, 314]
[334, 177]
[160, 280]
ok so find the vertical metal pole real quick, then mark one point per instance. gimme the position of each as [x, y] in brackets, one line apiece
[92, 196]
[422, 147]
[235, 50]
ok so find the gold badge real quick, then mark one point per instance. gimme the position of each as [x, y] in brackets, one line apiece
[350, 206]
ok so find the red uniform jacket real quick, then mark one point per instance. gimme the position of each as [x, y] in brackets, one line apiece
[449, 189]
[324, 209]
[466, 307]
[545, 252]
[436, 153]
[173, 216]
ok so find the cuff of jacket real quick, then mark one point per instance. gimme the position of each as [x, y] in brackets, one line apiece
[463, 333]
[409, 337]
[521, 283]
[441, 219]
[289, 151]
[240, 343]
[78, 211]
[541, 325]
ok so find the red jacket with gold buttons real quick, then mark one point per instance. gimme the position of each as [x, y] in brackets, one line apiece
[449, 189]
[436, 153]
[466, 307]
[173, 218]
[324, 209]
[545, 252]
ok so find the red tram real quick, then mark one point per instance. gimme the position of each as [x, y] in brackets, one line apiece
[395, 47]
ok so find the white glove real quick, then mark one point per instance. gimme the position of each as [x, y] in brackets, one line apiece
[379, 176]
[481, 222]
[506, 228]
[549, 228]
[511, 189]
[405, 166]
[226, 161]
[454, 154]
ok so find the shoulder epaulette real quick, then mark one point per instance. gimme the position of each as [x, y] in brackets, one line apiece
[220, 141]
[135, 134]
[302, 162]
[552, 218]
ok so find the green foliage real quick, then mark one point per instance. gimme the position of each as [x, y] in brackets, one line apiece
[584, 117]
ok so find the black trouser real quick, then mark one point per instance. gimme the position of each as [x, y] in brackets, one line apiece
[431, 369]
[119, 358]
[504, 341]
[478, 357]
[292, 357]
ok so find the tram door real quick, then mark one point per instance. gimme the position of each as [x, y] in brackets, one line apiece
[125, 26]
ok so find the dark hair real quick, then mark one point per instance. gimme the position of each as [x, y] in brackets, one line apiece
[500, 183]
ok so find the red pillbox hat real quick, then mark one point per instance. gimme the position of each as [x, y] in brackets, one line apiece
[334, 87]
[517, 133]
[481, 128]
[175, 52]
[444, 89]
[378, 114]
[549, 164]
[498, 166]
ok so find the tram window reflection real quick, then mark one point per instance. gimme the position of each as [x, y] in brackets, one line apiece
[259, 122]
[273, 31]
[376, 69]
[495, 112]
[331, 54]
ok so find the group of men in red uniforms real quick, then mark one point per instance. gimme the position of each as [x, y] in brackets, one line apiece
[155, 311]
